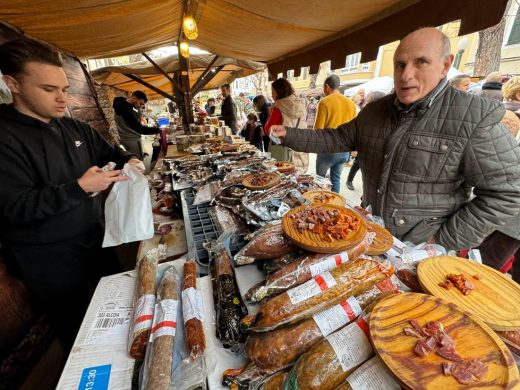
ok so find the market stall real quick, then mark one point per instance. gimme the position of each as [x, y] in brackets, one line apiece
[287, 285]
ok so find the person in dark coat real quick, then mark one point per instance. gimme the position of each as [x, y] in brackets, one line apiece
[228, 112]
[252, 131]
[492, 87]
[262, 108]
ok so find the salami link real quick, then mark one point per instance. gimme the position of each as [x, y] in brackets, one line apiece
[318, 294]
[192, 311]
[158, 368]
[282, 346]
[305, 268]
[143, 305]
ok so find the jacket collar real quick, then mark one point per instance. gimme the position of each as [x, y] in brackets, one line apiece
[426, 102]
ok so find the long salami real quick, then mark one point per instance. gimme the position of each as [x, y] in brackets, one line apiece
[144, 304]
[192, 312]
[305, 268]
[159, 354]
[318, 294]
[282, 346]
[329, 362]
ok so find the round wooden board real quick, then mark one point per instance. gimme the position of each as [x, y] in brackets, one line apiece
[313, 242]
[274, 179]
[473, 339]
[336, 200]
[283, 166]
[382, 242]
[495, 300]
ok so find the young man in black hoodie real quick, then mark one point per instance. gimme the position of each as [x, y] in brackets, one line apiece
[50, 226]
[127, 121]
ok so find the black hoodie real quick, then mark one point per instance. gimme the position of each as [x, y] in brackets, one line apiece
[129, 117]
[40, 198]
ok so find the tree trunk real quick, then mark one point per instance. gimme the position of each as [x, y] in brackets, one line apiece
[489, 49]
[312, 83]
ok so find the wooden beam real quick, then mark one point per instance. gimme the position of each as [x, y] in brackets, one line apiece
[203, 74]
[159, 69]
[202, 83]
[150, 86]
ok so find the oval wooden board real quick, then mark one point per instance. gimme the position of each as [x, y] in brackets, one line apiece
[473, 339]
[495, 300]
[274, 179]
[313, 242]
[335, 200]
[383, 240]
[283, 166]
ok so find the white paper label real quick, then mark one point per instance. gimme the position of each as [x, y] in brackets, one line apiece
[373, 375]
[311, 288]
[328, 263]
[165, 319]
[143, 314]
[337, 316]
[351, 344]
[192, 305]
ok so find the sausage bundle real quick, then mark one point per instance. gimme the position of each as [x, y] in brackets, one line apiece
[159, 354]
[193, 312]
[321, 292]
[328, 363]
[282, 346]
[144, 304]
[305, 268]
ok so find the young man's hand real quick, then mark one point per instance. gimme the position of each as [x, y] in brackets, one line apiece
[95, 179]
[137, 164]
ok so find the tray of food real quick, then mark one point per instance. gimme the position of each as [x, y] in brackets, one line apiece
[319, 197]
[282, 166]
[477, 288]
[324, 228]
[429, 343]
[382, 242]
[261, 181]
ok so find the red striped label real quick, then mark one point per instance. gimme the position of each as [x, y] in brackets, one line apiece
[363, 325]
[164, 324]
[337, 258]
[350, 313]
[322, 284]
[143, 318]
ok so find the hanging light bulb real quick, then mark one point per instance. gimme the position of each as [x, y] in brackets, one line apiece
[189, 26]
[184, 48]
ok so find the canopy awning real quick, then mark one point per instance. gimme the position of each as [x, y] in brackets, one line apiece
[228, 70]
[286, 34]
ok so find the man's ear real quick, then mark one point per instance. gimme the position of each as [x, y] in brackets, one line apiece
[11, 83]
[447, 64]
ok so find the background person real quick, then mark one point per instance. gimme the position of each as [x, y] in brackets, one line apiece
[492, 87]
[461, 82]
[228, 110]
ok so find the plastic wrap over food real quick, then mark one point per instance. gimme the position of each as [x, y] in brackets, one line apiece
[407, 274]
[275, 381]
[268, 242]
[319, 293]
[157, 371]
[193, 312]
[227, 221]
[372, 375]
[329, 362]
[248, 377]
[229, 307]
[305, 268]
[144, 304]
[512, 340]
[282, 346]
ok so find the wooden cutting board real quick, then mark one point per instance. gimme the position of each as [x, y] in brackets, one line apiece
[272, 179]
[495, 300]
[333, 197]
[473, 339]
[314, 242]
[383, 240]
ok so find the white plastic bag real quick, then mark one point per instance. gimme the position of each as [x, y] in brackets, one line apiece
[128, 210]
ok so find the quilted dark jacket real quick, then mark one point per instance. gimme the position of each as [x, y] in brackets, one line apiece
[418, 165]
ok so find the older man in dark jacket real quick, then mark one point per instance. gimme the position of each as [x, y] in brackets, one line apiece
[423, 147]
[229, 109]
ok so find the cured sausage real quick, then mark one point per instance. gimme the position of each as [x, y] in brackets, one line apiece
[329, 362]
[319, 293]
[229, 307]
[267, 243]
[303, 269]
[159, 355]
[274, 265]
[282, 346]
[143, 304]
[192, 312]
[275, 381]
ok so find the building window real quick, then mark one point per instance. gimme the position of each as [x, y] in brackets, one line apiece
[514, 35]
[365, 67]
[290, 75]
[305, 73]
[351, 64]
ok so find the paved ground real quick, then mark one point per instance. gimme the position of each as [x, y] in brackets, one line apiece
[352, 196]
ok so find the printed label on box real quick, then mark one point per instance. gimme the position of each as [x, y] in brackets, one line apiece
[95, 378]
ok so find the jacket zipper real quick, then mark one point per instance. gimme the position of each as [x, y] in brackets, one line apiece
[419, 211]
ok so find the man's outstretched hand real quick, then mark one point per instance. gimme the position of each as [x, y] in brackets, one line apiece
[278, 131]
[95, 179]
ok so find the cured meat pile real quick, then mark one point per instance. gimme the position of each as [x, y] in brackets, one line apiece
[322, 198]
[432, 337]
[329, 224]
[461, 282]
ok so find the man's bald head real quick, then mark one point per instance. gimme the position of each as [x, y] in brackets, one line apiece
[421, 61]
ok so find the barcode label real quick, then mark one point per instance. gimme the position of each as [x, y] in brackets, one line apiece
[104, 323]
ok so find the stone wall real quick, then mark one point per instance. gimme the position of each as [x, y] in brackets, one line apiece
[106, 95]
